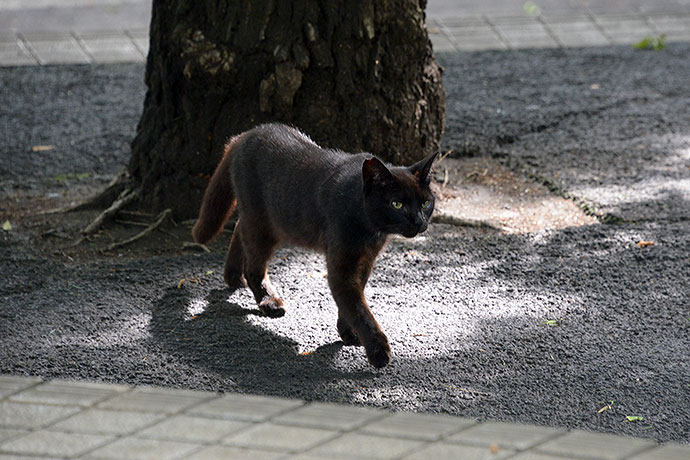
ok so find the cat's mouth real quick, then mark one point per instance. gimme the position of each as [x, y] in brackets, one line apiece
[414, 231]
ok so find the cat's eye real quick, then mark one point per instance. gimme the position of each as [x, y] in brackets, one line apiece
[396, 204]
[426, 204]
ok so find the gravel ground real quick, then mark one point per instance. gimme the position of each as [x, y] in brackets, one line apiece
[545, 327]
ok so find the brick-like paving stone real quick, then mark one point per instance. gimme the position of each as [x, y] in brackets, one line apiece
[505, 435]
[53, 443]
[68, 393]
[147, 399]
[193, 429]
[245, 407]
[143, 449]
[113, 422]
[86, 420]
[330, 416]
[417, 426]
[282, 438]
[595, 445]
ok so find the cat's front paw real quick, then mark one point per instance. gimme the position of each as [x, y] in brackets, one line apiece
[273, 307]
[347, 335]
[379, 353]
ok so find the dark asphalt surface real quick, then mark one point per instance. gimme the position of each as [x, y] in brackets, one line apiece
[464, 309]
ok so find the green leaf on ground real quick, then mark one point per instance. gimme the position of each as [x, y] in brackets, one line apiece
[651, 43]
[634, 418]
[7, 226]
[531, 9]
[550, 322]
[210, 272]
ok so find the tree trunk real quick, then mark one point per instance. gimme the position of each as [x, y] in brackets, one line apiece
[354, 75]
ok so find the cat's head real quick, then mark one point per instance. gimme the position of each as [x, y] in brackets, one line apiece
[398, 199]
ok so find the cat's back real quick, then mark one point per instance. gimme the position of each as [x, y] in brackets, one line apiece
[278, 149]
[278, 174]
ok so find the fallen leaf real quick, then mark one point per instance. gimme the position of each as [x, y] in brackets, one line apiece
[595, 86]
[605, 408]
[550, 322]
[7, 226]
[493, 448]
[42, 148]
[180, 283]
[644, 244]
[634, 418]
[209, 272]
[306, 353]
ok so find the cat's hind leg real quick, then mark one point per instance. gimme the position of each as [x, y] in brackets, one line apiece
[258, 248]
[234, 262]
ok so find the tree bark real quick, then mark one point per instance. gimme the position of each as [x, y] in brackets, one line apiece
[357, 75]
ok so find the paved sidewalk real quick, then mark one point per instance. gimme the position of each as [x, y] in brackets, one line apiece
[41, 32]
[63, 419]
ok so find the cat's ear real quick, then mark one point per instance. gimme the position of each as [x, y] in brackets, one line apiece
[375, 173]
[422, 168]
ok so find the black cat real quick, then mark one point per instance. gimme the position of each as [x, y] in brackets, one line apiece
[289, 190]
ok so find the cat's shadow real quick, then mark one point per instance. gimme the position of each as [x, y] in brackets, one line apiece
[217, 337]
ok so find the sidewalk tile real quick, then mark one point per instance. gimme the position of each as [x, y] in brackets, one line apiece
[108, 47]
[577, 32]
[54, 443]
[505, 435]
[665, 452]
[148, 399]
[457, 21]
[443, 451]
[192, 429]
[360, 445]
[6, 433]
[23, 415]
[279, 437]
[11, 384]
[531, 455]
[410, 425]
[329, 416]
[440, 43]
[233, 453]
[12, 54]
[625, 30]
[527, 35]
[56, 49]
[140, 38]
[99, 421]
[245, 407]
[595, 445]
[143, 449]
[474, 37]
[67, 393]
[304, 456]
[676, 28]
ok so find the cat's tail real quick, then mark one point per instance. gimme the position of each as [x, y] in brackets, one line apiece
[219, 200]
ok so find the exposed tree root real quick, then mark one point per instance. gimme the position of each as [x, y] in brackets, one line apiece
[192, 245]
[125, 197]
[159, 220]
[120, 183]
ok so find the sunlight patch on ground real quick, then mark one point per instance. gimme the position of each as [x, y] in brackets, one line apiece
[194, 308]
[481, 191]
